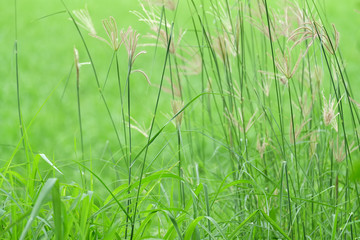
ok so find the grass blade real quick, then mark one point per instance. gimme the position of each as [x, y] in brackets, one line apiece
[273, 223]
[45, 191]
[56, 199]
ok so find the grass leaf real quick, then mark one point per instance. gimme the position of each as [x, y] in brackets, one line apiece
[45, 191]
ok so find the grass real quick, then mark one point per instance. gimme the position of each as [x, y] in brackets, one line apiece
[212, 120]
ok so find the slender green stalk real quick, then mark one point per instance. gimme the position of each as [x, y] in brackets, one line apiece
[129, 134]
[181, 184]
[279, 109]
[77, 67]
[96, 77]
[108, 71]
[17, 75]
[150, 133]
[121, 105]
[207, 208]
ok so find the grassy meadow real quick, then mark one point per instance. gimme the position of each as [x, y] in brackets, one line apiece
[189, 119]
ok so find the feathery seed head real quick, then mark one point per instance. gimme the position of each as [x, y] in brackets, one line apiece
[261, 146]
[84, 20]
[78, 65]
[114, 39]
[356, 103]
[111, 29]
[169, 4]
[311, 30]
[329, 114]
[222, 47]
[151, 17]
[318, 74]
[313, 143]
[177, 105]
[339, 151]
[265, 84]
[284, 65]
[76, 58]
[305, 106]
[77, 62]
[131, 38]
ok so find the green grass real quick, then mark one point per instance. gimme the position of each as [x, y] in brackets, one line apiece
[230, 126]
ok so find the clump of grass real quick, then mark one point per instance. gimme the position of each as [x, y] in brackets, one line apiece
[265, 151]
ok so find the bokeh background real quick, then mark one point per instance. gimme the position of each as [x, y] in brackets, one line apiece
[46, 38]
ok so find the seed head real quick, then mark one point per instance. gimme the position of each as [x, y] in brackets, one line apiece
[131, 38]
[112, 31]
[151, 17]
[356, 103]
[339, 151]
[284, 64]
[261, 146]
[313, 143]
[76, 58]
[265, 83]
[84, 20]
[329, 114]
[169, 4]
[177, 105]
[311, 30]
[77, 62]
[222, 47]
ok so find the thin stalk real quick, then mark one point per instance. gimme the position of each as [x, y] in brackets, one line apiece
[279, 109]
[121, 103]
[23, 132]
[288, 198]
[17, 77]
[341, 115]
[129, 134]
[181, 184]
[79, 117]
[295, 152]
[278, 97]
[96, 77]
[150, 133]
[207, 208]
[108, 71]
[67, 81]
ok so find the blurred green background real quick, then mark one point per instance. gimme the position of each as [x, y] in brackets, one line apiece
[46, 55]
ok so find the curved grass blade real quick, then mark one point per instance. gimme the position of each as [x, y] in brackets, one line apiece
[50, 163]
[107, 188]
[273, 223]
[43, 194]
[191, 228]
[22, 217]
[173, 220]
[57, 211]
[235, 232]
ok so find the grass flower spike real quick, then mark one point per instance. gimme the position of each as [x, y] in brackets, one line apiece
[329, 115]
[169, 4]
[177, 105]
[84, 20]
[261, 146]
[131, 38]
[339, 151]
[112, 32]
[77, 62]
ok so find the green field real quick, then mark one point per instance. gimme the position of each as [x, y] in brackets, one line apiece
[189, 119]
